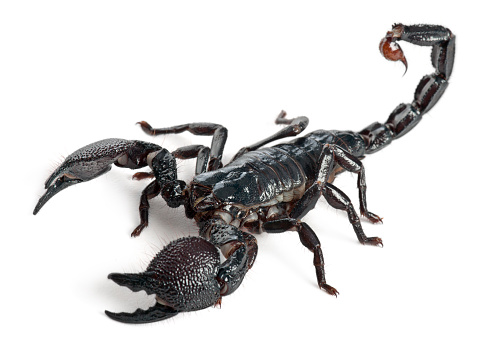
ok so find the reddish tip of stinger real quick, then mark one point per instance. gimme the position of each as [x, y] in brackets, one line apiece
[391, 50]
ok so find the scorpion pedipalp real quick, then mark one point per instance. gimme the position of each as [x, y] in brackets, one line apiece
[94, 160]
[183, 276]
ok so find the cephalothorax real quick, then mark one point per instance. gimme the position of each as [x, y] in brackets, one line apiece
[260, 190]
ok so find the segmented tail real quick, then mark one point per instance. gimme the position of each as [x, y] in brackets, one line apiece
[429, 90]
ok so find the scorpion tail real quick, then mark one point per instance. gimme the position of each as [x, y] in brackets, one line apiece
[431, 87]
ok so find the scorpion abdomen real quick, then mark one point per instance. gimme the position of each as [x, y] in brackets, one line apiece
[259, 178]
[275, 174]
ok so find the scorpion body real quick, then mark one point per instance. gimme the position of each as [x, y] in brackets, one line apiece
[275, 179]
[262, 189]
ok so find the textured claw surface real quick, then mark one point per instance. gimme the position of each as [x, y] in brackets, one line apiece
[86, 163]
[94, 160]
[187, 270]
[183, 276]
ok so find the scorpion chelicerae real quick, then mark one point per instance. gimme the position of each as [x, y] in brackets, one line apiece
[266, 189]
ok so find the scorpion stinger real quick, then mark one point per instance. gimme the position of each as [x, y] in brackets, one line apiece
[262, 189]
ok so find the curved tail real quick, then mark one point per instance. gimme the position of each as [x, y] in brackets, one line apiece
[429, 90]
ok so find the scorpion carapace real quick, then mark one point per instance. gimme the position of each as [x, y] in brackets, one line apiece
[260, 190]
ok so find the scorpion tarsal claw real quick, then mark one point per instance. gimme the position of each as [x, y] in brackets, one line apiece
[374, 241]
[329, 289]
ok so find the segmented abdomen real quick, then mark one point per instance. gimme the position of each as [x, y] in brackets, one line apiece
[276, 174]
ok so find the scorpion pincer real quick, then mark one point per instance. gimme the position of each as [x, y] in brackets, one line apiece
[262, 189]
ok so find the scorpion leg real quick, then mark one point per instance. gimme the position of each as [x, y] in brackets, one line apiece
[310, 240]
[151, 191]
[339, 200]
[200, 152]
[218, 132]
[352, 164]
[295, 127]
[429, 90]
[331, 154]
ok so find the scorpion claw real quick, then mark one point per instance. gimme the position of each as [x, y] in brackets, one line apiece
[60, 184]
[155, 313]
[94, 160]
[183, 276]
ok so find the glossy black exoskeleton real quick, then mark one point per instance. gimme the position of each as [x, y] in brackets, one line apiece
[262, 189]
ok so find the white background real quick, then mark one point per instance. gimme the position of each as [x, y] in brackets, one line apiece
[74, 72]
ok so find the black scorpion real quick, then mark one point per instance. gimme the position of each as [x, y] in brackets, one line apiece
[260, 190]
